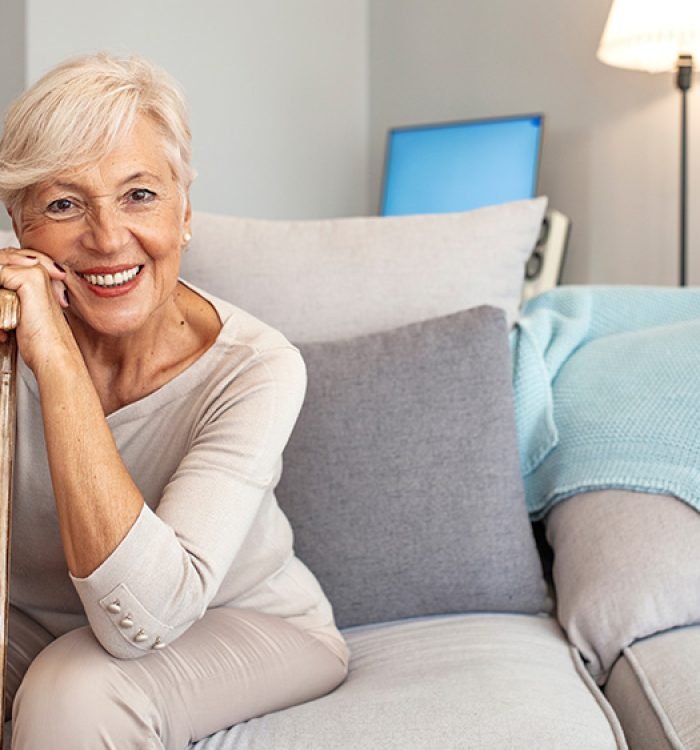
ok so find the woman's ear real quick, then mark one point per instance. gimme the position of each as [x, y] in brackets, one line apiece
[187, 223]
[187, 218]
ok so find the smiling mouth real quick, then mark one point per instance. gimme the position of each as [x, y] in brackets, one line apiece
[111, 280]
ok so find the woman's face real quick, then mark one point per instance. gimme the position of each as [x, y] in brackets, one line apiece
[117, 229]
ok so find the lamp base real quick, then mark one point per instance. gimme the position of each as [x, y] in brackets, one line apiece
[684, 80]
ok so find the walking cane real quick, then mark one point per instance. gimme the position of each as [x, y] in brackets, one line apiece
[9, 318]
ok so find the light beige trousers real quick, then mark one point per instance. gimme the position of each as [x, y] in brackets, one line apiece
[230, 666]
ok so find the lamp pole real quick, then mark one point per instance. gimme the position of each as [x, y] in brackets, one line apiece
[683, 81]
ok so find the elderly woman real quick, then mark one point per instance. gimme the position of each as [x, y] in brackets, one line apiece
[155, 595]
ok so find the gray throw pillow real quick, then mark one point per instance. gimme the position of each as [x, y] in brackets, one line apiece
[401, 478]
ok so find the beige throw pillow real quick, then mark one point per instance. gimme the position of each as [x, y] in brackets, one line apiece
[337, 278]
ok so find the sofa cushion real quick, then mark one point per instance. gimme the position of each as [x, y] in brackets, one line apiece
[626, 566]
[323, 280]
[401, 478]
[654, 690]
[473, 681]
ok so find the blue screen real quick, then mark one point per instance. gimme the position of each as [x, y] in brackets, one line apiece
[460, 166]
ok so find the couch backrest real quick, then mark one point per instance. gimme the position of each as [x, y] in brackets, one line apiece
[331, 279]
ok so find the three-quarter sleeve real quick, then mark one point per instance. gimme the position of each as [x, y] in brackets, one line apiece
[178, 555]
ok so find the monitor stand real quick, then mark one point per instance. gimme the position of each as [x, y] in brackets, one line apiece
[543, 268]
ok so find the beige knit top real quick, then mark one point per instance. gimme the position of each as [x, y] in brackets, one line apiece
[205, 451]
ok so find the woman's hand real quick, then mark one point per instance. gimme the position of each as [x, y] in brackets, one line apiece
[38, 282]
[96, 508]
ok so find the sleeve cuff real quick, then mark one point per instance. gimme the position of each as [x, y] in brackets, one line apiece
[119, 620]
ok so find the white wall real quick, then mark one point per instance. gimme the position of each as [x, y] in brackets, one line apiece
[277, 91]
[291, 100]
[610, 158]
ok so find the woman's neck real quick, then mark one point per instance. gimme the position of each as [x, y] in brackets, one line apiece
[127, 368]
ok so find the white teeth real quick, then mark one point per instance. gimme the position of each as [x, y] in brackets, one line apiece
[111, 280]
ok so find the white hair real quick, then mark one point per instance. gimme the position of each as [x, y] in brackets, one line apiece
[76, 113]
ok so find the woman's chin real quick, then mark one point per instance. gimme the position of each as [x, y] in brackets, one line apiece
[119, 324]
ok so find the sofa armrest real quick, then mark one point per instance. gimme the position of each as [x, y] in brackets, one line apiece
[654, 687]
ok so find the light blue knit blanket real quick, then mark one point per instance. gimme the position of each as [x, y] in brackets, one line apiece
[607, 392]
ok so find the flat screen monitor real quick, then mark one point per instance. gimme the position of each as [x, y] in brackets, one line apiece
[459, 166]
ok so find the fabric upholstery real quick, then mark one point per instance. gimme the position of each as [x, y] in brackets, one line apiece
[476, 681]
[401, 478]
[606, 385]
[626, 566]
[654, 689]
[329, 279]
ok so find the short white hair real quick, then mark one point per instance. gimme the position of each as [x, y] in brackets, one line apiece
[76, 113]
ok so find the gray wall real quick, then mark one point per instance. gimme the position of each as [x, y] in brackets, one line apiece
[12, 61]
[12, 48]
[611, 145]
[277, 91]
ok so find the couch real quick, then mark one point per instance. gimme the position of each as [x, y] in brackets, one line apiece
[472, 623]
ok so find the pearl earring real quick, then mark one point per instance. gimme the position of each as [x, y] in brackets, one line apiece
[186, 237]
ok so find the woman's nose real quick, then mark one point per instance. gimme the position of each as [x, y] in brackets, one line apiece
[108, 232]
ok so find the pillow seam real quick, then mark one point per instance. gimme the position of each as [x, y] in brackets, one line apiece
[599, 698]
[654, 700]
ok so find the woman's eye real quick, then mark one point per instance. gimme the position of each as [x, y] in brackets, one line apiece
[141, 195]
[61, 207]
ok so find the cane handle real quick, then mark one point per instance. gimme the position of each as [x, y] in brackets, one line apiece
[9, 310]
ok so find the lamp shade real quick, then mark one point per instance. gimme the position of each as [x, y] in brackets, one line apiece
[650, 34]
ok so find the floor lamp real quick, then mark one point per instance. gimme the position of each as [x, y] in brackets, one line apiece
[659, 36]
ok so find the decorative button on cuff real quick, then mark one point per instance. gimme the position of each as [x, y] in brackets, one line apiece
[141, 636]
[115, 608]
[126, 622]
[158, 644]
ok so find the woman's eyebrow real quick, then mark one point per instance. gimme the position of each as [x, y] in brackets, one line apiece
[135, 177]
[140, 176]
[63, 185]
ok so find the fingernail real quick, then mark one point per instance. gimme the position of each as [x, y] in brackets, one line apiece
[59, 267]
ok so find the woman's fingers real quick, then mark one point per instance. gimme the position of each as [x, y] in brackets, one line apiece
[23, 275]
[42, 299]
[11, 255]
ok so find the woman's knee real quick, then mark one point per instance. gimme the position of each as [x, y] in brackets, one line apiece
[75, 695]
